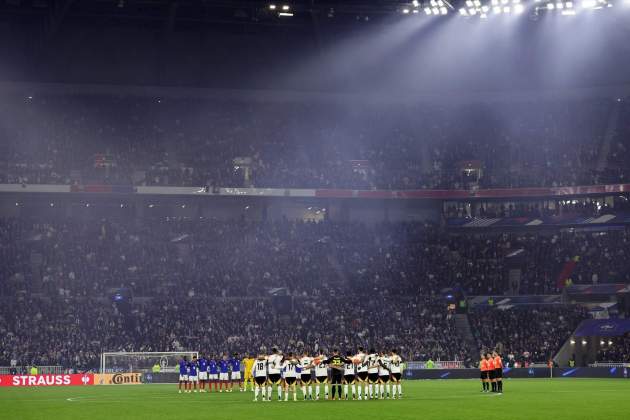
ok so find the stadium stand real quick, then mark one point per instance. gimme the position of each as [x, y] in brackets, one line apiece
[233, 258]
[181, 265]
[614, 350]
[212, 258]
[153, 141]
[73, 331]
[526, 334]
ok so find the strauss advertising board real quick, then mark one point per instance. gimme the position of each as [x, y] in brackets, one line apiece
[47, 380]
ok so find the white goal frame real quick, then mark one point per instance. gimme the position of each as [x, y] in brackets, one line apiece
[152, 354]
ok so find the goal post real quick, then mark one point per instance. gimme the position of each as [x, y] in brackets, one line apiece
[141, 362]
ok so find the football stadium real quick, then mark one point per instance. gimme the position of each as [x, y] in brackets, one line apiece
[320, 209]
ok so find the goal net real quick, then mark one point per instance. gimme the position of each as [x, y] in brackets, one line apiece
[132, 362]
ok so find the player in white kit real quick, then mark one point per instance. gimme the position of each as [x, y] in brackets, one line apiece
[259, 372]
[395, 367]
[383, 376]
[349, 377]
[372, 364]
[289, 371]
[321, 376]
[362, 373]
[274, 367]
[306, 363]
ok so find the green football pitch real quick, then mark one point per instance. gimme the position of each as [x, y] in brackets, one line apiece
[555, 399]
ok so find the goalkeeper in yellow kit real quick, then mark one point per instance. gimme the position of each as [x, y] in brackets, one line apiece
[248, 362]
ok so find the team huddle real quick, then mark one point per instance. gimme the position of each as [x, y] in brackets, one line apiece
[359, 376]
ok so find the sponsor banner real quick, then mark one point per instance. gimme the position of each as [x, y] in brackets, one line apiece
[332, 193]
[598, 289]
[118, 379]
[437, 373]
[598, 372]
[47, 380]
[118, 189]
[608, 220]
[502, 301]
[34, 188]
[487, 193]
[603, 328]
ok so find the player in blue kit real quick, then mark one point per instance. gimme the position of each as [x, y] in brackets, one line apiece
[183, 374]
[235, 376]
[203, 373]
[192, 375]
[213, 374]
[224, 373]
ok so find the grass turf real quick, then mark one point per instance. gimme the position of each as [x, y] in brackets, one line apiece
[557, 399]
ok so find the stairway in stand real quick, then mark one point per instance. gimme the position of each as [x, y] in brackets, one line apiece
[462, 325]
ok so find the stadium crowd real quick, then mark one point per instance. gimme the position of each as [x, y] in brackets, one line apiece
[617, 351]
[61, 275]
[620, 149]
[74, 331]
[197, 258]
[526, 334]
[195, 142]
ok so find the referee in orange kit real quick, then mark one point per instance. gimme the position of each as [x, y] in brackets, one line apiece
[483, 368]
[498, 372]
[490, 366]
